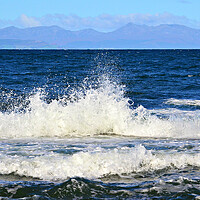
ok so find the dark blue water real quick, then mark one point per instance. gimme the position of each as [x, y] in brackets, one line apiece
[100, 124]
[150, 76]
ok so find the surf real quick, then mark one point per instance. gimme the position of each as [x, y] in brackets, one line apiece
[92, 110]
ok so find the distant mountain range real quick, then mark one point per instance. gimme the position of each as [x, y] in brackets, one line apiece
[130, 36]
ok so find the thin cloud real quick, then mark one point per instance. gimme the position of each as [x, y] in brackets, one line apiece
[184, 1]
[29, 21]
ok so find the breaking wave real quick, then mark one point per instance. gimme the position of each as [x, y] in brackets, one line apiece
[95, 111]
[96, 163]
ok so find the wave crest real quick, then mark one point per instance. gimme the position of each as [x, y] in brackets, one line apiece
[95, 111]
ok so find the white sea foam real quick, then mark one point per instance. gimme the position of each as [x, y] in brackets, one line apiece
[187, 102]
[103, 110]
[96, 163]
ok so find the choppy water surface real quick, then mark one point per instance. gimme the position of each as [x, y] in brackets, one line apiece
[100, 124]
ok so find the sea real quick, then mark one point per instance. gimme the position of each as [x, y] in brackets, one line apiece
[100, 124]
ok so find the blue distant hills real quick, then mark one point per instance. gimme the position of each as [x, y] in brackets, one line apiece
[130, 36]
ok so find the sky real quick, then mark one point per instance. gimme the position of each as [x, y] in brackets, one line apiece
[102, 15]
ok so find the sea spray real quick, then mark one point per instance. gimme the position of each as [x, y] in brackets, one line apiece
[102, 110]
[94, 109]
[51, 148]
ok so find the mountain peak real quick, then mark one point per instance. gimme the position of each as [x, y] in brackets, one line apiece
[11, 28]
[53, 27]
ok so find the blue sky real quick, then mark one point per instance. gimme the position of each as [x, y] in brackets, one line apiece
[99, 14]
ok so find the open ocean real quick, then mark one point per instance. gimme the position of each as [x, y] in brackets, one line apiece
[99, 124]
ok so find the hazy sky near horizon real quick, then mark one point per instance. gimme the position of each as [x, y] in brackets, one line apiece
[98, 14]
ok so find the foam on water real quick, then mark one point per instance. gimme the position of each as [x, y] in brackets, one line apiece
[94, 111]
[187, 102]
[95, 163]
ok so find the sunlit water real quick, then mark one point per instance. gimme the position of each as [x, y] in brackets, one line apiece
[100, 124]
